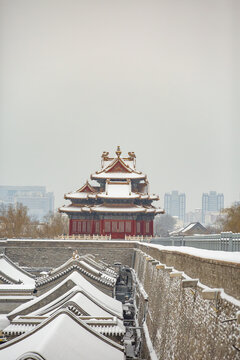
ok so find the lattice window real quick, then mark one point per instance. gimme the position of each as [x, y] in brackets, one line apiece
[84, 227]
[74, 226]
[79, 227]
[89, 226]
[138, 227]
[114, 226]
[128, 226]
[107, 226]
[97, 227]
[147, 227]
[121, 226]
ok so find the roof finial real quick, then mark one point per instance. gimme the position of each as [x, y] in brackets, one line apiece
[118, 152]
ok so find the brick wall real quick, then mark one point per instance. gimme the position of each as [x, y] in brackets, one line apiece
[181, 323]
[53, 253]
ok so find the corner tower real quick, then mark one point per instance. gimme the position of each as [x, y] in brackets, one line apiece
[119, 205]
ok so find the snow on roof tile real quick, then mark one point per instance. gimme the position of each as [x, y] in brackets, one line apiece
[14, 272]
[58, 336]
[104, 300]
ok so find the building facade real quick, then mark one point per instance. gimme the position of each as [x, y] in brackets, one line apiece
[119, 205]
[175, 204]
[212, 203]
[38, 201]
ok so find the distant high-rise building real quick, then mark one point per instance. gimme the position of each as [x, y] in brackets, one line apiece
[211, 203]
[175, 204]
[38, 201]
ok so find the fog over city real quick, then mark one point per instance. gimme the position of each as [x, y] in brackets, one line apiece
[160, 78]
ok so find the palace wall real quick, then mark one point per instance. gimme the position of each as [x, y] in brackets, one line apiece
[53, 253]
[183, 323]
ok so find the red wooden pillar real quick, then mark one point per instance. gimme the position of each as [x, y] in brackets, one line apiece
[133, 232]
[102, 227]
[151, 227]
[143, 226]
[70, 227]
[92, 227]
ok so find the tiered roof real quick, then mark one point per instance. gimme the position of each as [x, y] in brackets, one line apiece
[118, 175]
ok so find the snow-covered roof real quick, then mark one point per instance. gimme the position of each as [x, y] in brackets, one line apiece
[64, 336]
[114, 190]
[16, 288]
[75, 279]
[105, 325]
[118, 168]
[109, 208]
[117, 175]
[188, 227]
[14, 272]
[90, 259]
[78, 264]
[82, 267]
[79, 195]
[87, 259]
[76, 300]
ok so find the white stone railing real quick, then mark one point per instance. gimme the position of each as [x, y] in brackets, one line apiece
[226, 241]
[138, 238]
[83, 237]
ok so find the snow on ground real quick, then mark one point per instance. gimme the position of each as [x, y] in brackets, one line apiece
[151, 350]
[202, 253]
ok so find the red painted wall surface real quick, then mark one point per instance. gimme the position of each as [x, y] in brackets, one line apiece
[116, 228]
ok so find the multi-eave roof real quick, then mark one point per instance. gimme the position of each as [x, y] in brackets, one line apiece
[118, 168]
[118, 174]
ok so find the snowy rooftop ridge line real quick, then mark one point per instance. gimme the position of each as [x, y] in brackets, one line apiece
[106, 280]
[75, 278]
[106, 326]
[14, 273]
[63, 327]
[76, 298]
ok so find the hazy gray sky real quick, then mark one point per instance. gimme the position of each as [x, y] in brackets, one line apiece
[160, 78]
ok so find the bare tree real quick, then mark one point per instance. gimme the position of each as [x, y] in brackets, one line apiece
[163, 224]
[54, 225]
[229, 219]
[14, 221]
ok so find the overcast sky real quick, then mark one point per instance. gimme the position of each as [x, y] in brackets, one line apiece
[160, 78]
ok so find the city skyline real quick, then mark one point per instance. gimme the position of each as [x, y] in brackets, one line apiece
[58, 203]
[39, 202]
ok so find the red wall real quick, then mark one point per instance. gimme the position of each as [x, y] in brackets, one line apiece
[116, 228]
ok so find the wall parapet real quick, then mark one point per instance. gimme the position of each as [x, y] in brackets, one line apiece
[185, 319]
[210, 272]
